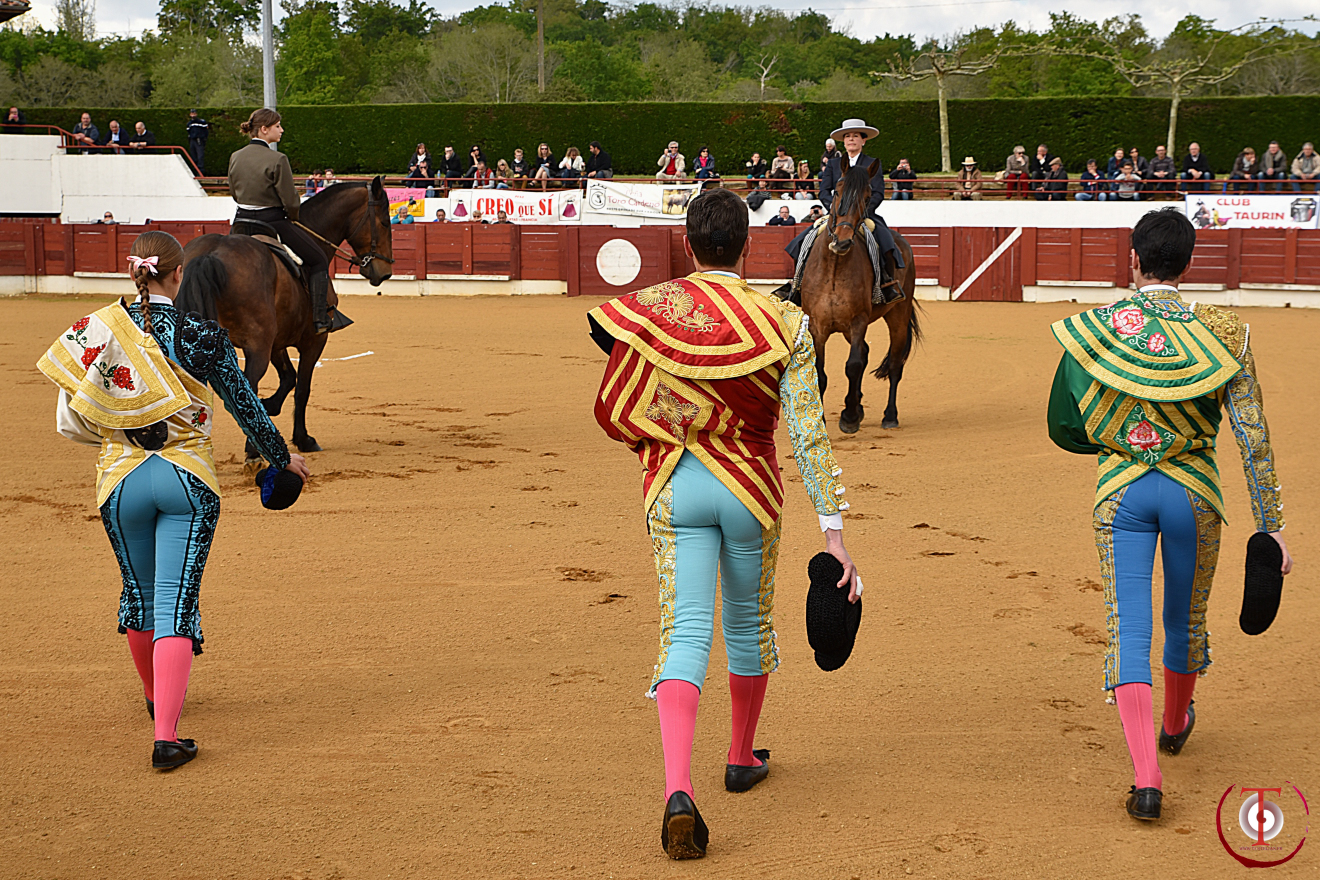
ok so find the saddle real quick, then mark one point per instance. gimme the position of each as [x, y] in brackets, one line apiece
[266, 234]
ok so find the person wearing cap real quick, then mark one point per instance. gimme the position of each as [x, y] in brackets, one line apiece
[136, 381]
[854, 134]
[969, 181]
[1054, 186]
[198, 131]
[1142, 385]
[701, 369]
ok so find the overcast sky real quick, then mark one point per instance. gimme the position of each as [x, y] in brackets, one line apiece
[866, 20]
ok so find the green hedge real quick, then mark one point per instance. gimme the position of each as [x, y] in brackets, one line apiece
[380, 137]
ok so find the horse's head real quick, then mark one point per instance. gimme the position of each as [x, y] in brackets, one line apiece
[370, 238]
[849, 208]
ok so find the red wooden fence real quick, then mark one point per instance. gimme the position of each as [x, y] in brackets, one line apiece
[946, 256]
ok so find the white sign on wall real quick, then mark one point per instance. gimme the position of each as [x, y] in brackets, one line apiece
[520, 206]
[655, 200]
[1241, 211]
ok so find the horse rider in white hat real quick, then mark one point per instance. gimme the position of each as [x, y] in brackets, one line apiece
[853, 135]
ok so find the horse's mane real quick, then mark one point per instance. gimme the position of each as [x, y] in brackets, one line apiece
[324, 198]
[856, 185]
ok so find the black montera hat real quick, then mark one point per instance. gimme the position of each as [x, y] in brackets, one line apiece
[279, 489]
[1264, 584]
[832, 620]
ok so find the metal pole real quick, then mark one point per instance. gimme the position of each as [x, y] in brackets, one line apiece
[267, 56]
[540, 46]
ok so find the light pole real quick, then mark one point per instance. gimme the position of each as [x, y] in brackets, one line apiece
[267, 56]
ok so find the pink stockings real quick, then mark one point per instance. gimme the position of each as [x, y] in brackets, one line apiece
[164, 666]
[677, 703]
[1135, 708]
[1178, 687]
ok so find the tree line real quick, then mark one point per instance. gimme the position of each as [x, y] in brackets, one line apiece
[206, 53]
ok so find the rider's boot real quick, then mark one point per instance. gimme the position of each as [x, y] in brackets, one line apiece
[318, 286]
[889, 291]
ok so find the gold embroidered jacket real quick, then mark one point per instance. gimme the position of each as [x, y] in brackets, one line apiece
[1144, 383]
[707, 364]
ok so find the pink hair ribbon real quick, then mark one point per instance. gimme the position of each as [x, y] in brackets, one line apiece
[139, 262]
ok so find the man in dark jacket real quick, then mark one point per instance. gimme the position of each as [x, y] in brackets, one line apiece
[198, 131]
[15, 119]
[1054, 188]
[1162, 171]
[85, 134]
[1038, 166]
[783, 218]
[1196, 169]
[903, 177]
[599, 165]
[450, 167]
[141, 139]
[854, 133]
[115, 139]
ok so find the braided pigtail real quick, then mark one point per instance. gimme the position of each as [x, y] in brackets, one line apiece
[153, 258]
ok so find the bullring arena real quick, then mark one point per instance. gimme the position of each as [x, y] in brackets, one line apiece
[434, 665]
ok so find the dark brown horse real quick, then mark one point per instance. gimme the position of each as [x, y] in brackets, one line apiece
[267, 311]
[836, 294]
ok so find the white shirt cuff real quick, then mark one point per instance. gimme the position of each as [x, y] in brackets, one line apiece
[833, 521]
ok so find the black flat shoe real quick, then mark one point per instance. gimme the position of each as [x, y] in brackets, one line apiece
[151, 710]
[1173, 743]
[740, 777]
[167, 755]
[684, 834]
[1144, 803]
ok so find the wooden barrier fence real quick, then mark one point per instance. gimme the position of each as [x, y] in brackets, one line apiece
[945, 256]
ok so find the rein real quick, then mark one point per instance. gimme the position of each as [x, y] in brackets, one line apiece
[365, 260]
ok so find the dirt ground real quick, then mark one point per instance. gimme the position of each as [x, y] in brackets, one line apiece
[435, 664]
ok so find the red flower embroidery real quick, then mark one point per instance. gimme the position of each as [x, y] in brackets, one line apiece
[122, 378]
[1156, 343]
[91, 354]
[1144, 437]
[80, 325]
[199, 418]
[1128, 321]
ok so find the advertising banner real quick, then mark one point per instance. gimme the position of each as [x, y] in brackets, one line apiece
[1241, 211]
[666, 201]
[520, 207]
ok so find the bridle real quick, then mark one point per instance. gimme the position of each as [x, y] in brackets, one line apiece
[840, 224]
[363, 262]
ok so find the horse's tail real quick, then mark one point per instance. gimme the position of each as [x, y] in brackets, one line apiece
[898, 355]
[204, 278]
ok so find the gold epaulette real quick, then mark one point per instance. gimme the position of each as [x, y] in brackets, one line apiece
[1227, 326]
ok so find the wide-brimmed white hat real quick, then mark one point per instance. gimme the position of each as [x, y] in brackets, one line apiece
[854, 125]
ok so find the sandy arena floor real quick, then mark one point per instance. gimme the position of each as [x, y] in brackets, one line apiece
[435, 664]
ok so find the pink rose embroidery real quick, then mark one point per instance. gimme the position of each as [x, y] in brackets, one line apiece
[1128, 321]
[1143, 436]
[1156, 343]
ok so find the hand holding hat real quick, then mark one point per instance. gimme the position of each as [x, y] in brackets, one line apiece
[280, 489]
[832, 620]
[1267, 562]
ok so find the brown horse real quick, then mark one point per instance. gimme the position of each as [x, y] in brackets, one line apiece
[266, 310]
[836, 295]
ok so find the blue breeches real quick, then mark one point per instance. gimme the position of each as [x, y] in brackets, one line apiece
[698, 528]
[160, 520]
[1127, 526]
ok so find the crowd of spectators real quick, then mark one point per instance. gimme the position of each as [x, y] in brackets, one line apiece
[439, 176]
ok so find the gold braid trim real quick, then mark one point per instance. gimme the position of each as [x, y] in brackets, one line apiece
[1103, 521]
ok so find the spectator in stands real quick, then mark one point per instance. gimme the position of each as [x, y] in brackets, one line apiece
[482, 177]
[1016, 173]
[450, 168]
[501, 216]
[328, 179]
[816, 213]
[475, 154]
[599, 166]
[521, 168]
[671, 163]
[1115, 163]
[84, 133]
[141, 139]
[15, 119]
[781, 184]
[1196, 169]
[758, 196]
[543, 166]
[903, 177]
[440, 215]
[402, 215]
[311, 184]
[477, 216]
[969, 181]
[782, 161]
[1127, 185]
[108, 218]
[1273, 168]
[115, 138]
[572, 167]
[704, 166]
[755, 167]
[1055, 186]
[503, 175]
[1039, 165]
[1139, 163]
[1161, 171]
[1306, 168]
[783, 218]
[831, 152]
[1245, 169]
[419, 164]
[198, 131]
[806, 184]
[1093, 187]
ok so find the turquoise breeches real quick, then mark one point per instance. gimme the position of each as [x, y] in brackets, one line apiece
[699, 529]
[160, 520]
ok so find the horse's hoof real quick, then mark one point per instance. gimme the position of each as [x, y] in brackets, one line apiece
[307, 444]
[253, 464]
[848, 427]
[889, 423]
